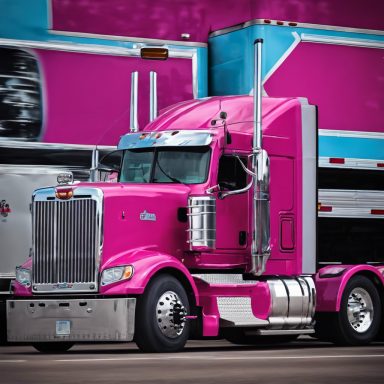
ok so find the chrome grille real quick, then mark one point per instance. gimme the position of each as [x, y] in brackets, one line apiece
[66, 245]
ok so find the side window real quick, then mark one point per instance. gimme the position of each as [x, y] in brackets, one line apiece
[20, 98]
[231, 174]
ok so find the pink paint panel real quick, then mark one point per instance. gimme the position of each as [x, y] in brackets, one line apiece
[87, 97]
[346, 83]
[168, 19]
[330, 290]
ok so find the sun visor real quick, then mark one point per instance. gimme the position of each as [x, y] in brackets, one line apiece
[190, 138]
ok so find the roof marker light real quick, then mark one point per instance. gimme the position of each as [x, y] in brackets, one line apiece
[154, 53]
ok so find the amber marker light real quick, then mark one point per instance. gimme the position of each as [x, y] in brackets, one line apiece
[64, 193]
[128, 272]
[154, 53]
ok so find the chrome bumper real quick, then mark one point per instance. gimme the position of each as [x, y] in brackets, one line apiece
[71, 320]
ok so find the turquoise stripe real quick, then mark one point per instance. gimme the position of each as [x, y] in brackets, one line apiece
[351, 147]
[231, 54]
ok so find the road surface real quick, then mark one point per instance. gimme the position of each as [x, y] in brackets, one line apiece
[214, 361]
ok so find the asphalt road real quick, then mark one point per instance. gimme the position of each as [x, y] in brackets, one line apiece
[216, 361]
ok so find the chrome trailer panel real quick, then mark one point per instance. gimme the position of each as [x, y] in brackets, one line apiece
[71, 320]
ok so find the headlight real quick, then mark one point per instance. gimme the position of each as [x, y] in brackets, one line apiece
[114, 274]
[23, 276]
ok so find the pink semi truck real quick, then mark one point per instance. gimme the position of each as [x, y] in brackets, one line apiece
[213, 228]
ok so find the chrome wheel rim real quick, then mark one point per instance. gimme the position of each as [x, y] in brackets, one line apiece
[170, 314]
[360, 310]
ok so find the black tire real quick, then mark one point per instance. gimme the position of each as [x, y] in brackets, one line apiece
[148, 335]
[238, 336]
[344, 333]
[53, 347]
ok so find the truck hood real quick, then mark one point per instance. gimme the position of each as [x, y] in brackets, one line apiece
[143, 216]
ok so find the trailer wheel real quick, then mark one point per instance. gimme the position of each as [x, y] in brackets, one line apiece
[359, 319]
[161, 325]
[52, 347]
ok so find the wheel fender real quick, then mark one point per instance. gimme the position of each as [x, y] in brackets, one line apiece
[146, 264]
[330, 289]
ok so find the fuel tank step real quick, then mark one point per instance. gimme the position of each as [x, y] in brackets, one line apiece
[237, 312]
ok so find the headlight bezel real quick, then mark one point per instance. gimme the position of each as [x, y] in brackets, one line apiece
[24, 276]
[115, 274]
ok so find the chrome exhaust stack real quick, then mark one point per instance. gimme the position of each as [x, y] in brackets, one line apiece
[152, 95]
[134, 125]
[261, 248]
[94, 173]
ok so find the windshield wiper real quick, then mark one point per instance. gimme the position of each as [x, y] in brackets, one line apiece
[166, 174]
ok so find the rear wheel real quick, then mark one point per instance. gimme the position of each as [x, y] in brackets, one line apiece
[359, 318]
[161, 325]
[53, 347]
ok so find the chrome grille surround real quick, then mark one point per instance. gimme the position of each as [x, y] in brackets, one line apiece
[67, 241]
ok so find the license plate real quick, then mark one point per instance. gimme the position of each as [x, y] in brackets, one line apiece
[63, 327]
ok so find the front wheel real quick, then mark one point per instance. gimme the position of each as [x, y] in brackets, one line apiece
[358, 321]
[161, 325]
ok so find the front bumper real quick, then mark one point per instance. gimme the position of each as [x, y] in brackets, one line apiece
[71, 320]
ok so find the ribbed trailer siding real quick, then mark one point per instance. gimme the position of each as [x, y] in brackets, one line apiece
[66, 243]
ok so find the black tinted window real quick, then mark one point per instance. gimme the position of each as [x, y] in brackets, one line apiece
[231, 174]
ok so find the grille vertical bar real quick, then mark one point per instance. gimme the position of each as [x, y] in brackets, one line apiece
[66, 244]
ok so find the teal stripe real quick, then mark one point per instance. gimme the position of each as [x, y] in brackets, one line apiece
[351, 147]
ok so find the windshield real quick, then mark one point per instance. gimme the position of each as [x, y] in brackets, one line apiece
[165, 165]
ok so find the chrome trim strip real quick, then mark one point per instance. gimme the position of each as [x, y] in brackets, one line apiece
[308, 38]
[40, 145]
[92, 48]
[356, 134]
[127, 38]
[309, 187]
[299, 25]
[352, 163]
[351, 203]
[281, 332]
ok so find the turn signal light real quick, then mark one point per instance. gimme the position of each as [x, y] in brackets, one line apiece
[154, 53]
[64, 193]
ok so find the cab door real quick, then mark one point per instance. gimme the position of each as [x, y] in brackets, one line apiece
[232, 211]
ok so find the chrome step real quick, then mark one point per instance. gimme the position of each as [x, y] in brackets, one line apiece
[237, 312]
[223, 278]
[280, 332]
